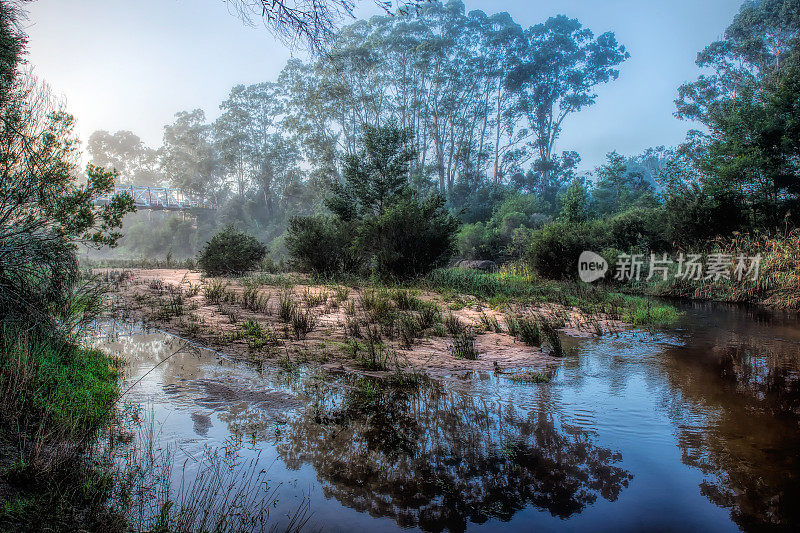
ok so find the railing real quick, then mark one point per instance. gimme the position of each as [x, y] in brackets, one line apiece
[155, 198]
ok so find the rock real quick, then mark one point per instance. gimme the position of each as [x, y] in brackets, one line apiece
[488, 266]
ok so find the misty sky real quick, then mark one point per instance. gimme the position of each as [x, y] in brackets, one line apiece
[132, 65]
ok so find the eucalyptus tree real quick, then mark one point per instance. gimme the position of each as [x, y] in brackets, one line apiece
[188, 158]
[432, 72]
[477, 92]
[500, 35]
[555, 74]
[230, 132]
[748, 104]
[254, 146]
[125, 152]
[309, 116]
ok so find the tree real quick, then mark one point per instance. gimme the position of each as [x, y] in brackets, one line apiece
[127, 154]
[311, 20]
[187, 156]
[231, 137]
[547, 180]
[575, 203]
[44, 213]
[375, 177]
[320, 244]
[555, 73]
[749, 107]
[380, 223]
[617, 188]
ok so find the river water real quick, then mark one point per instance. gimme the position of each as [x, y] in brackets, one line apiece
[692, 429]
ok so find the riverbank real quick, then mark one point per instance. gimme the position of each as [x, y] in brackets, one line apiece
[776, 284]
[445, 323]
[55, 397]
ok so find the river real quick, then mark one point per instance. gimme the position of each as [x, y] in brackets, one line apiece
[692, 429]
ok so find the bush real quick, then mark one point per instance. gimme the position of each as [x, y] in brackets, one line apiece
[319, 244]
[641, 228]
[411, 238]
[231, 252]
[379, 223]
[554, 249]
[477, 241]
[505, 235]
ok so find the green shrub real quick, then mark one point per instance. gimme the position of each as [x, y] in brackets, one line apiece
[554, 250]
[231, 252]
[640, 228]
[319, 245]
[286, 308]
[478, 241]
[490, 323]
[411, 238]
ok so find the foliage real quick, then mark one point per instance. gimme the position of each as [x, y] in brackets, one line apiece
[523, 286]
[379, 222]
[464, 347]
[749, 157]
[231, 252]
[778, 284]
[554, 249]
[555, 75]
[618, 189]
[125, 152]
[375, 177]
[411, 238]
[43, 212]
[71, 388]
[529, 331]
[319, 244]
[465, 129]
[55, 398]
[575, 203]
[505, 234]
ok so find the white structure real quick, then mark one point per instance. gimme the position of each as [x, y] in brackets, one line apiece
[155, 198]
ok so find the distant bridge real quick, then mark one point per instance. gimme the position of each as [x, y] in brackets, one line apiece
[155, 198]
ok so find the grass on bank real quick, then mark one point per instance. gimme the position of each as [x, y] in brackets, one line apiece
[54, 399]
[520, 285]
[777, 284]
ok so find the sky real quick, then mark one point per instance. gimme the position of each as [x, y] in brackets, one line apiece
[122, 65]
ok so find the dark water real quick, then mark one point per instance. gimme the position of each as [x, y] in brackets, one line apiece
[696, 429]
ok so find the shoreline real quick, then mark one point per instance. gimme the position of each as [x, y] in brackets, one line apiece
[226, 325]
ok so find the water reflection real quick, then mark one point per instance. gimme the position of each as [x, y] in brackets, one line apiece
[741, 372]
[437, 459]
[694, 430]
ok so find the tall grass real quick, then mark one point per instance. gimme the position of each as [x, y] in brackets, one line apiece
[778, 283]
[54, 399]
[520, 285]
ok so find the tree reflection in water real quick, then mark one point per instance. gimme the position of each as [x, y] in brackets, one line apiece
[744, 378]
[434, 458]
